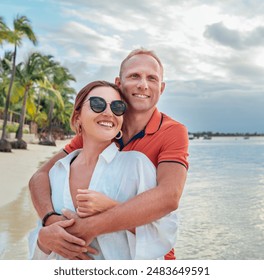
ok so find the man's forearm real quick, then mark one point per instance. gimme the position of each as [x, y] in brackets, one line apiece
[131, 214]
[40, 193]
[140, 210]
[39, 186]
[145, 207]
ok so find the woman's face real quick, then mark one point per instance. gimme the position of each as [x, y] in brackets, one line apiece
[102, 126]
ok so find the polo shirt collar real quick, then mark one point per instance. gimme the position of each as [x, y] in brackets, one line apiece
[154, 122]
[152, 126]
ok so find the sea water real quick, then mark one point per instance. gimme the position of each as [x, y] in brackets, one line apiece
[222, 206]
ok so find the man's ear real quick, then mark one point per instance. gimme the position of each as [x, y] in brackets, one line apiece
[118, 81]
[162, 87]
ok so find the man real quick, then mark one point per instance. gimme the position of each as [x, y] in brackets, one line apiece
[162, 139]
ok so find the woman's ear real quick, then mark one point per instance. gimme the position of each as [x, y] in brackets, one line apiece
[78, 127]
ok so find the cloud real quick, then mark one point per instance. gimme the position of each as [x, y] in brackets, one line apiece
[207, 87]
[212, 51]
[252, 8]
[234, 38]
[246, 70]
[80, 42]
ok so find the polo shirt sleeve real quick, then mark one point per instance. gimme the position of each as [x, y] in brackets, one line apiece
[154, 240]
[175, 145]
[76, 143]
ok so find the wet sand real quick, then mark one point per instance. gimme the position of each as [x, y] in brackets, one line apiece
[17, 215]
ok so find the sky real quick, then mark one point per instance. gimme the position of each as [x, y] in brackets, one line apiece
[212, 51]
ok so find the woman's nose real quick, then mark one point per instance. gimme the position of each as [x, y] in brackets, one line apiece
[108, 110]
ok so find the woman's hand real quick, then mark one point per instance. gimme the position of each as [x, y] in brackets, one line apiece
[91, 202]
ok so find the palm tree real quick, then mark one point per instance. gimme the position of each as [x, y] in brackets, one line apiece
[21, 28]
[27, 74]
[5, 67]
[3, 27]
[57, 87]
[62, 117]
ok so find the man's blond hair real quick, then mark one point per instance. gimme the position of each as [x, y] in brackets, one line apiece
[137, 52]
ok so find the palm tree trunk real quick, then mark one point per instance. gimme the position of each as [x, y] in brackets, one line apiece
[38, 102]
[9, 94]
[19, 133]
[50, 137]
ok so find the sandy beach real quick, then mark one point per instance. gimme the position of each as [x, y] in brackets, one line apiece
[17, 215]
[17, 168]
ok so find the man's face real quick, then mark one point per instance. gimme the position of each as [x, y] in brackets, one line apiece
[141, 83]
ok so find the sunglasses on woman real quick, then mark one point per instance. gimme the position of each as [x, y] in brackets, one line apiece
[98, 105]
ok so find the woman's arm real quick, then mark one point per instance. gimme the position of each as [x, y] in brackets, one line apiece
[91, 202]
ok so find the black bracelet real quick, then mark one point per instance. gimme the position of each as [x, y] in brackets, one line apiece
[44, 220]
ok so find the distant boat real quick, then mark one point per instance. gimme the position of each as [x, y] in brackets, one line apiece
[246, 137]
[207, 137]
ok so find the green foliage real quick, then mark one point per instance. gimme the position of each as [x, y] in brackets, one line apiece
[40, 80]
[11, 128]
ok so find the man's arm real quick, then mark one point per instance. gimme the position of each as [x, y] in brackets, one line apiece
[39, 187]
[142, 209]
[62, 243]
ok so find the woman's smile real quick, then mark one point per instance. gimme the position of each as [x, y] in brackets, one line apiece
[106, 124]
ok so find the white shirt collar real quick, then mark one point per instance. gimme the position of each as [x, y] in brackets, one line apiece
[108, 154]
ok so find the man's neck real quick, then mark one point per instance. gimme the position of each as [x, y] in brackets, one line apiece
[134, 123]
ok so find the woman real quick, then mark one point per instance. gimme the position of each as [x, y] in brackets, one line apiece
[105, 176]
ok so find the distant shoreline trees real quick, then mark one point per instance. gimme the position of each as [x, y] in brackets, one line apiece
[203, 134]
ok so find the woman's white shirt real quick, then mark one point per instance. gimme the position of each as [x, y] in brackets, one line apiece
[120, 176]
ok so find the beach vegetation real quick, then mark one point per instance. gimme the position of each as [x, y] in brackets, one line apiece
[28, 73]
[57, 94]
[36, 91]
[21, 29]
[10, 128]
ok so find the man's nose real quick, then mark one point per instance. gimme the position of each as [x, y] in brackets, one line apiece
[143, 84]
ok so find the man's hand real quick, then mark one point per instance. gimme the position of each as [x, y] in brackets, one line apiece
[81, 227]
[55, 238]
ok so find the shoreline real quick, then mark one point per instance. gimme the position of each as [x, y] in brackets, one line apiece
[18, 167]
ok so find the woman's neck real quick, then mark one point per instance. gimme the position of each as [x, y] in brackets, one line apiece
[82, 168]
[92, 148]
